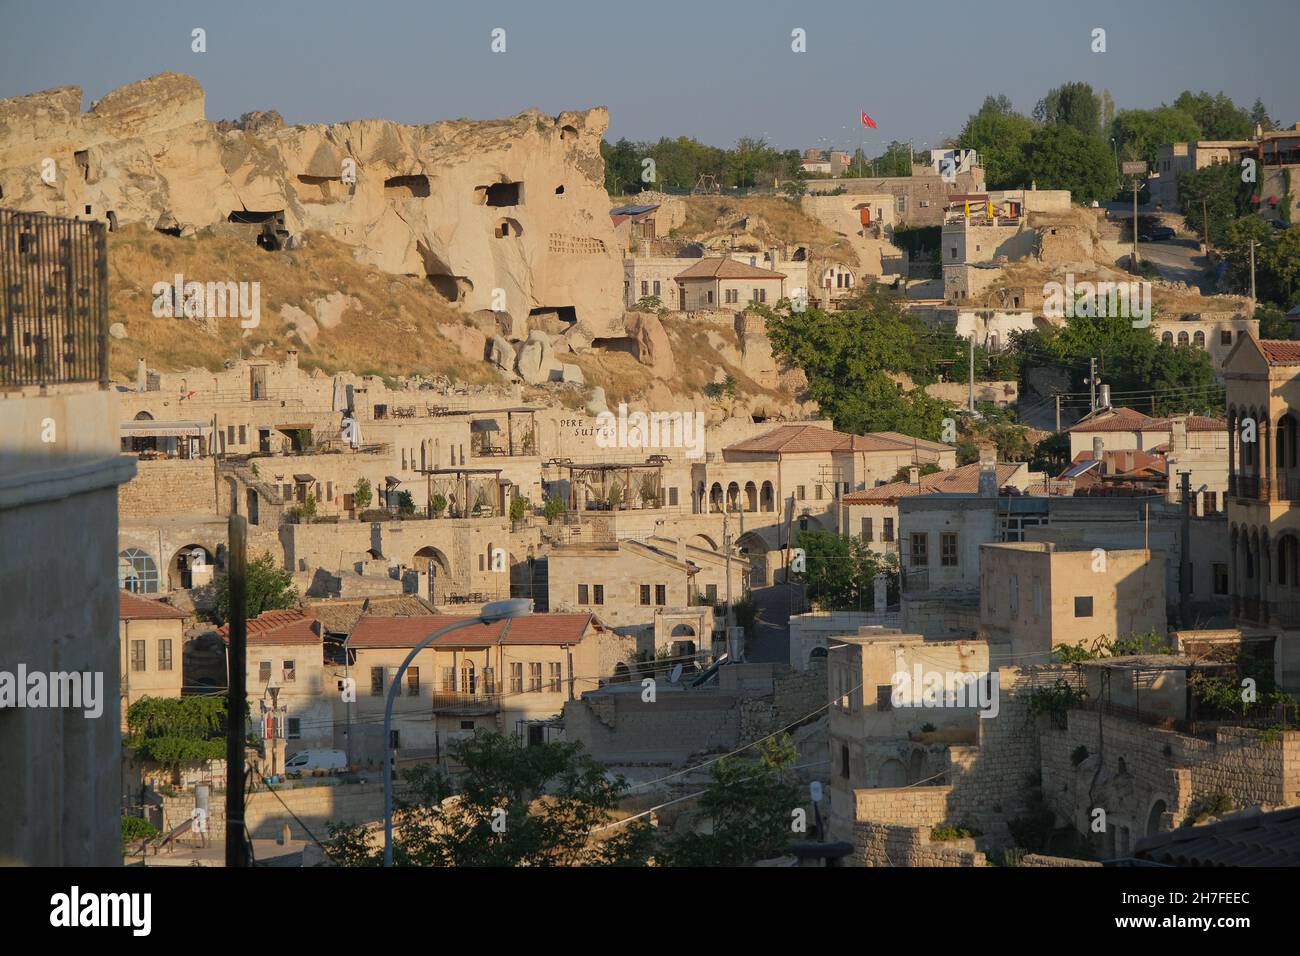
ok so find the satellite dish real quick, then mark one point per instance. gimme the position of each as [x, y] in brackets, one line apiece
[676, 675]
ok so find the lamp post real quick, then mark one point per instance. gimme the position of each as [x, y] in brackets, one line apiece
[491, 613]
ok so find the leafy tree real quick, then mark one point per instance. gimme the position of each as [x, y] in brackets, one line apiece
[438, 503]
[512, 805]
[1259, 117]
[1071, 104]
[1000, 134]
[553, 508]
[841, 572]
[750, 808]
[172, 731]
[1226, 198]
[1058, 156]
[267, 587]
[848, 356]
[363, 495]
[1217, 115]
[905, 472]
[136, 828]
[1138, 134]
[519, 507]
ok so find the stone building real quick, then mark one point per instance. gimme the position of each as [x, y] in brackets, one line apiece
[723, 283]
[153, 638]
[512, 677]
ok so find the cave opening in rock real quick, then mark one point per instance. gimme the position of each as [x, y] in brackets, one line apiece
[562, 313]
[508, 227]
[451, 288]
[504, 194]
[407, 187]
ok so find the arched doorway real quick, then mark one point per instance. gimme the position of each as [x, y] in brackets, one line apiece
[190, 567]
[751, 496]
[1154, 815]
[683, 646]
[892, 774]
[433, 565]
[767, 497]
[754, 550]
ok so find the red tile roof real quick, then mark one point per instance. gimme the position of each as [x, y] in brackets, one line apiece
[136, 608]
[409, 631]
[289, 626]
[1280, 351]
[1129, 420]
[793, 439]
[727, 268]
[963, 480]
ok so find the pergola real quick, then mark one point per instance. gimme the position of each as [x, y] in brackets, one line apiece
[454, 484]
[605, 474]
[484, 422]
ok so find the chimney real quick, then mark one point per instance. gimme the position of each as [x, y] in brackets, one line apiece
[141, 376]
[914, 475]
[1178, 434]
[291, 358]
[988, 486]
[1103, 400]
[1099, 451]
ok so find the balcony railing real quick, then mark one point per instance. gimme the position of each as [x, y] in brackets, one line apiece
[449, 702]
[1244, 486]
[53, 300]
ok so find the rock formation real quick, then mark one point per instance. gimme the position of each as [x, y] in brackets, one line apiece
[504, 215]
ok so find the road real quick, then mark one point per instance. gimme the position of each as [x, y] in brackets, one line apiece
[1178, 260]
[772, 642]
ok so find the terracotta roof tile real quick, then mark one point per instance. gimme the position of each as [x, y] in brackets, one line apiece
[726, 268]
[793, 439]
[409, 631]
[1128, 420]
[963, 480]
[289, 626]
[136, 608]
[1280, 351]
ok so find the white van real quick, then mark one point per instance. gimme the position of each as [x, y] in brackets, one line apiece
[312, 760]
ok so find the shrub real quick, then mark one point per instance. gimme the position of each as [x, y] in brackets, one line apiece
[136, 828]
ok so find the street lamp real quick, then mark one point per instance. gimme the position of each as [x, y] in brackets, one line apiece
[491, 613]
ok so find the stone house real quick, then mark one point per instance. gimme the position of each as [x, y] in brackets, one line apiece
[290, 688]
[152, 636]
[725, 284]
[512, 677]
[1035, 596]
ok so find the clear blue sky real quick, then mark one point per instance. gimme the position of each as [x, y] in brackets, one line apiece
[713, 69]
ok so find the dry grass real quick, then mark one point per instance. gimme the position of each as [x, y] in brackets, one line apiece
[784, 221]
[394, 332]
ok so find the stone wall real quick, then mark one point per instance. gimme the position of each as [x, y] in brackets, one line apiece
[887, 844]
[172, 486]
[1038, 859]
[617, 726]
[265, 814]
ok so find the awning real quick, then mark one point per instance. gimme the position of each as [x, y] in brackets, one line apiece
[392, 482]
[178, 429]
[304, 479]
[301, 426]
[484, 425]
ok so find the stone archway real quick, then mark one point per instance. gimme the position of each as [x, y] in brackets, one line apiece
[432, 563]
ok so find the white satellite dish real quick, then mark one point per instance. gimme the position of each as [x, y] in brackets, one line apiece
[676, 675]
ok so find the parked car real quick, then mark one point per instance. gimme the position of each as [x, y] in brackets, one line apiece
[1162, 233]
[312, 760]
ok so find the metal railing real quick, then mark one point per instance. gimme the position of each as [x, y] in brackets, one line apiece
[449, 702]
[53, 300]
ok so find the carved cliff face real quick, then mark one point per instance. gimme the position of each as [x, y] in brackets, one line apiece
[504, 215]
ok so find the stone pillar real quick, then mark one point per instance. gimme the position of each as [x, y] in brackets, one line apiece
[1232, 456]
[1269, 481]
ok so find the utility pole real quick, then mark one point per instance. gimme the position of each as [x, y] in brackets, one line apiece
[1092, 380]
[1184, 562]
[1058, 412]
[1205, 221]
[1135, 221]
[972, 371]
[726, 550]
[1252, 276]
[237, 654]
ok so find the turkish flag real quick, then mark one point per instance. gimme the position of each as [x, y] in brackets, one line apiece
[868, 121]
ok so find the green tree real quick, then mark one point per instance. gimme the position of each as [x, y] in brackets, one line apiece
[1071, 104]
[519, 507]
[1138, 134]
[1226, 198]
[173, 731]
[363, 495]
[553, 508]
[750, 807]
[840, 573]
[1259, 117]
[514, 805]
[1058, 156]
[267, 587]
[1217, 115]
[1000, 135]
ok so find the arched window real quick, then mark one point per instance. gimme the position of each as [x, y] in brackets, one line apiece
[467, 677]
[1199, 339]
[1182, 338]
[136, 572]
[1167, 339]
